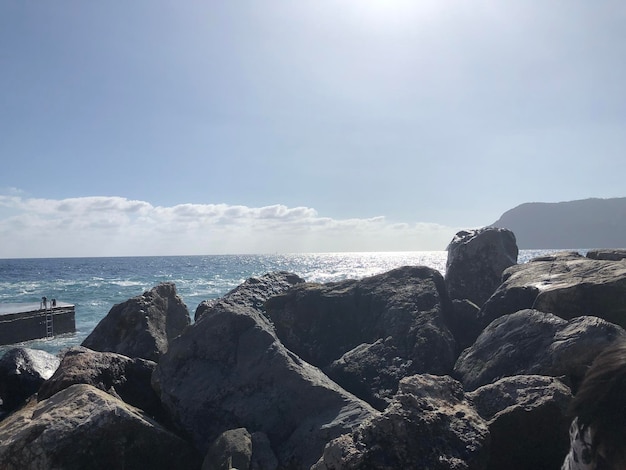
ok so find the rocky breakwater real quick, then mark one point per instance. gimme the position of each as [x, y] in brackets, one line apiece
[385, 372]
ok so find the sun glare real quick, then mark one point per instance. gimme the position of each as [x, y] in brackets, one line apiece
[394, 13]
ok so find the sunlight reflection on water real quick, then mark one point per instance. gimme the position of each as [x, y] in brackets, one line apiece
[94, 285]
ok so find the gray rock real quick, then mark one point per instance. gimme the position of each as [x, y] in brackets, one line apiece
[608, 255]
[229, 370]
[374, 331]
[530, 342]
[142, 326]
[254, 292]
[371, 371]
[84, 427]
[566, 255]
[232, 449]
[528, 421]
[476, 261]
[22, 371]
[128, 379]
[566, 284]
[429, 425]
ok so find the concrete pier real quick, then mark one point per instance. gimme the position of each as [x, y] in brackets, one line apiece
[27, 321]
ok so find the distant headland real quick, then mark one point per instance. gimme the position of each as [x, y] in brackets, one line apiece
[587, 223]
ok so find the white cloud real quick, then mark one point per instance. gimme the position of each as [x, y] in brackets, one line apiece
[115, 226]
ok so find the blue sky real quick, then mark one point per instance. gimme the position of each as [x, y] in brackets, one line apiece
[161, 127]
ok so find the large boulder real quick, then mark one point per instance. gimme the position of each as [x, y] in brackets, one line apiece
[607, 255]
[84, 427]
[530, 342]
[565, 284]
[128, 379]
[476, 260]
[142, 326]
[429, 425]
[528, 421]
[229, 370]
[254, 292]
[369, 333]
[22, 371]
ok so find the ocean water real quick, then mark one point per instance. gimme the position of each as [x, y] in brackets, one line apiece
[95, 285]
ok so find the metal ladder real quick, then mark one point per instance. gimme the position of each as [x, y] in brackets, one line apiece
[49, 324]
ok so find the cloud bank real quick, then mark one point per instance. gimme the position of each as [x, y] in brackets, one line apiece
[115, 226]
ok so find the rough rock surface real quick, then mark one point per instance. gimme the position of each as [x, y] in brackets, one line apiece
[607, 255]
[476, 261]
[371, 371]
[254, 292]
[229, 370]
[530, 342]
[527, 421]
[22, 371]
[565, 284]
[429, 425]
[83, 427]
[124, 378]
[369, 333]
[232, 449]
[142, 326]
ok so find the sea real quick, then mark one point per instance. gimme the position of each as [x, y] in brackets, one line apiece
[95, 285]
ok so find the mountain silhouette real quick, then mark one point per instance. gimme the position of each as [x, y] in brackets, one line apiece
[586, 223]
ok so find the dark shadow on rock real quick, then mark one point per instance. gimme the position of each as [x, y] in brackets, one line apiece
[528, 421]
